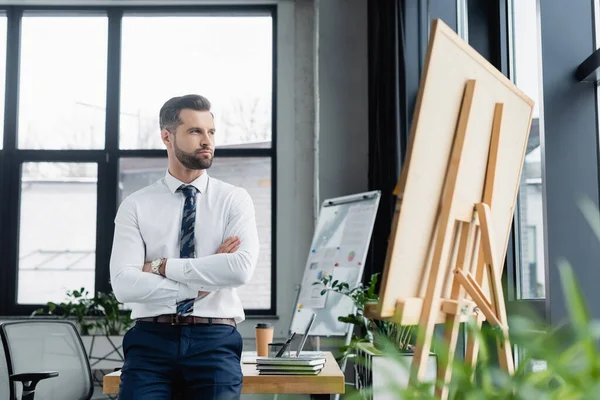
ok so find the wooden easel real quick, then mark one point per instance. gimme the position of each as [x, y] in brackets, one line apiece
[467, 239]
[463, 245]
[455, 204]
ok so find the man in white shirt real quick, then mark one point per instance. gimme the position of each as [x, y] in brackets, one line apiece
[181, 247]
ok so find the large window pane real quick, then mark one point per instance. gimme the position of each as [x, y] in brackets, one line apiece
[226, 59]
[62, 96]
[254, 175]
[527, 76]
[2, 74]
[57, 235]
[137, 173]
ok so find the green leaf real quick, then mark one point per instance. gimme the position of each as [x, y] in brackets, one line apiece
[575, 304]
[372, 285]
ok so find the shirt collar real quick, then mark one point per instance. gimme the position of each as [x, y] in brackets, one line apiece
[199, 183]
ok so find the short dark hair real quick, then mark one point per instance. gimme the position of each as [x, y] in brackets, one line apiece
[169, 112]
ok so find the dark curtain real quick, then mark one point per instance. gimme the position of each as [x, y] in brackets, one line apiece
[387, 117]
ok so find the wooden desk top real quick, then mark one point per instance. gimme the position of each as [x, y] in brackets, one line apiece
[329, 381]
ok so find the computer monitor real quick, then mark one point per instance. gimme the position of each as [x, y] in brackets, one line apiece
[306, 332]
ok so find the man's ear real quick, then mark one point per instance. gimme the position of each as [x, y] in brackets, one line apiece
[164, 135]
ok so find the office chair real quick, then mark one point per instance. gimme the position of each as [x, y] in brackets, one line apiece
[53, 347]
[4, 376]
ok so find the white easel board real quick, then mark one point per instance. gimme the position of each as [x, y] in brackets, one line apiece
[339, 248]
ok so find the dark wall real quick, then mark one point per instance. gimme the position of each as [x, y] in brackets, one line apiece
[482, 25]
[444, 10]
[571, 149]
[342, 98]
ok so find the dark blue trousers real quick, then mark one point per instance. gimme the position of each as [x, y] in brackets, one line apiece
[188, 362]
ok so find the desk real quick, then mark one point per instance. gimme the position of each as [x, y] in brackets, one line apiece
[329, 381]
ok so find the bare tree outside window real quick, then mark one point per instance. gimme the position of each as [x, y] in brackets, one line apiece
[248, 119]
[232, 67]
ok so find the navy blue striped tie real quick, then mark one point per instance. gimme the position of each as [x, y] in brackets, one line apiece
[187, 241]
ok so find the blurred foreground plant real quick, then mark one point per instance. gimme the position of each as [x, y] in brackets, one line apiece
[570, 353]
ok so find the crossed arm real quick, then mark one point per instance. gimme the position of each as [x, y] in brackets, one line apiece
[232, 266]
[229, 246]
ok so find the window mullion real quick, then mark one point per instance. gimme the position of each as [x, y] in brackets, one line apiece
[108, 172]
[9, 195]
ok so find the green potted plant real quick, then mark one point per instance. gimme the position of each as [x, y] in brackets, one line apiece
[367, 330]
[101, 321]
[371, 338]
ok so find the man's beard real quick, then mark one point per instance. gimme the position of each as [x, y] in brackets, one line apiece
[190, 161]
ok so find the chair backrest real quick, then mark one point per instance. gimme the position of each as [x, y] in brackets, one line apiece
[38, 345]
[4, 376]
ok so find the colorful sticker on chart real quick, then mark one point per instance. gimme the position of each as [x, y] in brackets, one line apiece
[321, 274]
[351, 256]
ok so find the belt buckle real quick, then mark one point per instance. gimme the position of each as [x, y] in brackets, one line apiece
[177, 319]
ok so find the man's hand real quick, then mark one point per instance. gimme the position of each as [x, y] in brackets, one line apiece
[230, 245]
[147, 267]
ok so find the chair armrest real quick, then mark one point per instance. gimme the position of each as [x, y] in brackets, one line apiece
[30, 380]
[33, 376]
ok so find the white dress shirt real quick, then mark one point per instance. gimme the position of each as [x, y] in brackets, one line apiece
[147, 227]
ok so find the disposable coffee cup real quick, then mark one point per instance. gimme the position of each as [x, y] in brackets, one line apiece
[264, 336]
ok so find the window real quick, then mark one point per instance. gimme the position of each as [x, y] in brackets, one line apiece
[252, 173]
[56, 198]
[62, 89]
[227, 59]
[84, 133]
[526, 73]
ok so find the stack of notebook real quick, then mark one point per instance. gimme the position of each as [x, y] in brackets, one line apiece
[306, 365]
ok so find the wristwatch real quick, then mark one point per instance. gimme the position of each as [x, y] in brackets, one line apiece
[155, 264]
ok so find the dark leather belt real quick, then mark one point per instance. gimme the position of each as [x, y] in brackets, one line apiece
[174, 319]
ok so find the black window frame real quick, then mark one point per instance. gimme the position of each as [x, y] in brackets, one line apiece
[107, 159]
